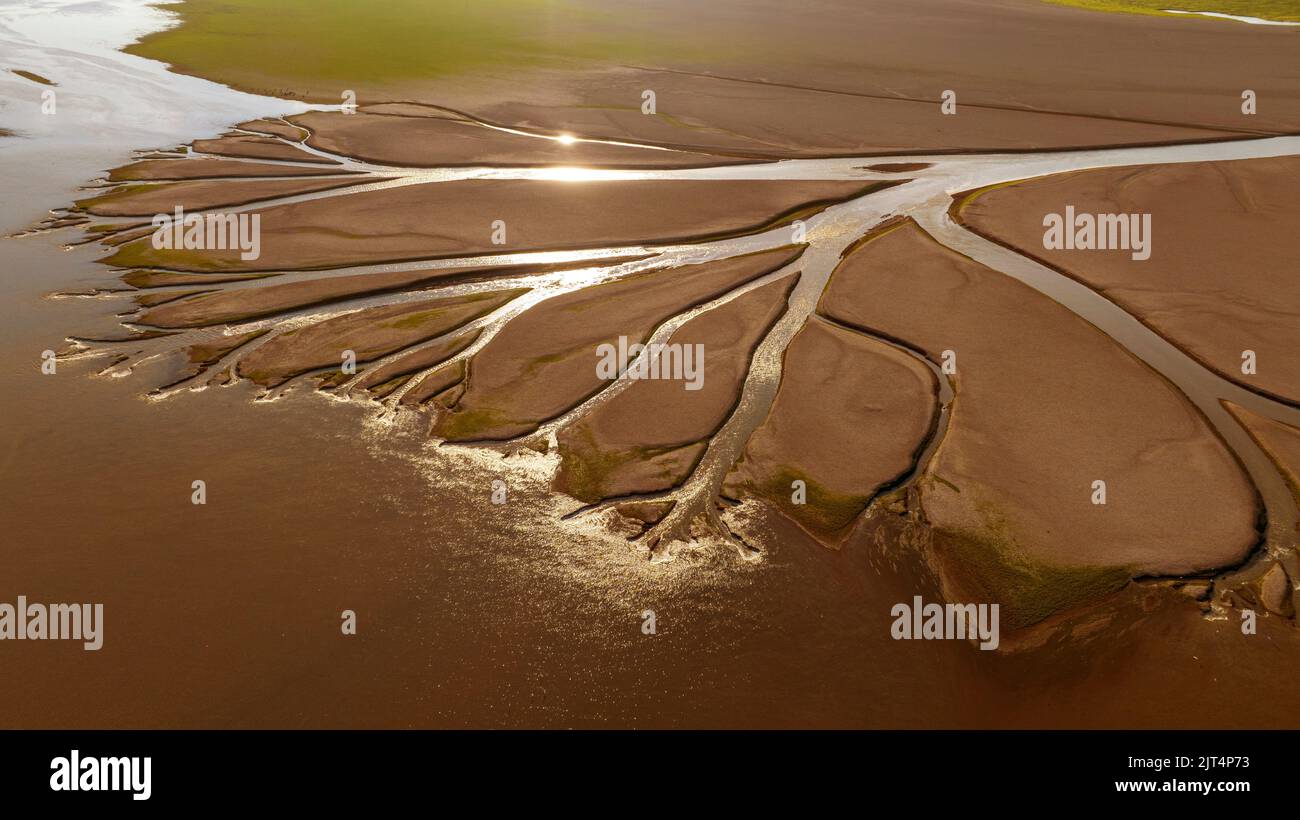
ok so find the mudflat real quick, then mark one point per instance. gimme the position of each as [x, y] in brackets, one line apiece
[251, 147]
[834, 389]
[844, 77]
[249, 303]
[1046, 405]
[1220, 279]
[837, 386]
[649, 436]
[446, 219]
[1280, 441]
[211, 168]
[147, 200]
[426, 141]
[369, 333]
[544, 362]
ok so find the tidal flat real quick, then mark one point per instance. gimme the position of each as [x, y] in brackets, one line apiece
[396, 410]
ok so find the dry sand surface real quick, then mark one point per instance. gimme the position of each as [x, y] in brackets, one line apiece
[849, 417]
[1045, 405]
[650, 435]
[544, 362]
[448, 219]
[1221, 278]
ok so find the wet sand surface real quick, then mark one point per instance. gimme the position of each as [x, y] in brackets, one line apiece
[474, 614]
[370, 333]
[205, 168]
[1045, 406]
[750, 116]
[1221, 277]
[837, 386]
[433, 141]
[147, 200]
[238, 305]
[621, 449]
[804, 85]
[542, 364]
[1281, 441]
[252, 147]
[381, 380]
[225, 615]
[275, 128]
[395, 225]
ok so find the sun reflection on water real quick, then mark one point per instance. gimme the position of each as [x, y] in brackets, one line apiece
[572, 173]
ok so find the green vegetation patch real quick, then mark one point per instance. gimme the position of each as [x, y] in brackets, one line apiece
[33, 76]
[826, 512]
[332, 379]
[141, 254]
[1284, 10]
[384, 388]
[587, 467]
[466, 425]
[992, 568]
[302, 48]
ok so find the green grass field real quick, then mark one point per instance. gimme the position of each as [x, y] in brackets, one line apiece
[1288, 10]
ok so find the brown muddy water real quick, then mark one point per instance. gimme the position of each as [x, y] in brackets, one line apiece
[469, 613]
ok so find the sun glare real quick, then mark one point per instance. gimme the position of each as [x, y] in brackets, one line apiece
[574, 174]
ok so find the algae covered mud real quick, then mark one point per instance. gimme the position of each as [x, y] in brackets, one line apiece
[348, 357]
